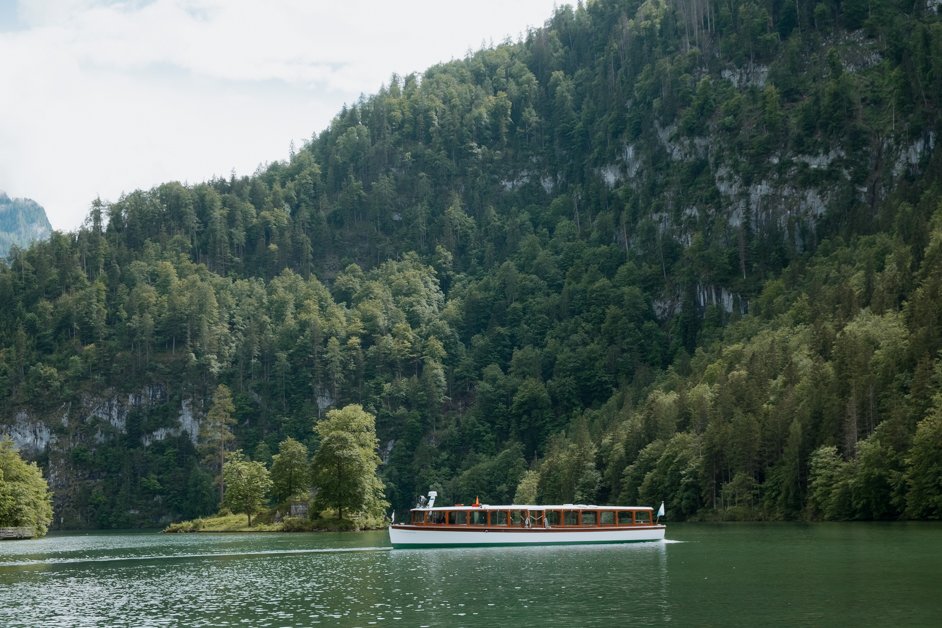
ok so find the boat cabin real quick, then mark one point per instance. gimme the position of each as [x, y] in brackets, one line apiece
[522, 524]
[502, 517]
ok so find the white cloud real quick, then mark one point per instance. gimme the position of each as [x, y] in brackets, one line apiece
[110, 96]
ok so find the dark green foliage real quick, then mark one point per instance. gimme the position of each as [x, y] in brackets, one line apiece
[216, 434]
[494, 480]
[290, 471]
[924, 469]
[654, 251]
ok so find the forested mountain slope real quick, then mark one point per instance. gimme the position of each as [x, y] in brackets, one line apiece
[663, 250]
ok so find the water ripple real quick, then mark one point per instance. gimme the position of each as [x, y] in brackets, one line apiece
[152, 557]
[768, 574]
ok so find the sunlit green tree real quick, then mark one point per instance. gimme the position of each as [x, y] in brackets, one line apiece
[25, 499]
[290, 470]
[343, 469]
[247, 484]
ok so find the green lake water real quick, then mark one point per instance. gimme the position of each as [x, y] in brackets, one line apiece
[736, 574]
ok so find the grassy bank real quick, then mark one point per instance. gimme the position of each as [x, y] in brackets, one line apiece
[225, 523]
[261, 523]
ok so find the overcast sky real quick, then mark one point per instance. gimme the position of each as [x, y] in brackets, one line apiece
[102, 97]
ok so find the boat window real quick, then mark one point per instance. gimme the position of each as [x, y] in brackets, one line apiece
[624, 518]
[537, 518]
[607, 518]
[570, 518]
[552, 517]
[498, 517]
[517, 517]
[478, 517]
[418, 517]
[458, 517]
[642, 516]
[437, 517]
[589, 517]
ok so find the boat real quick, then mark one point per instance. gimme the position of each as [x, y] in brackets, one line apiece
[563, 524]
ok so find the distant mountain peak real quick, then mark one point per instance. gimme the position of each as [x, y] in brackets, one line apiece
[22, 222]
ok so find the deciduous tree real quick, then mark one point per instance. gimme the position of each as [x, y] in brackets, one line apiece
[290, 470]
[344, 465]
[25, 499]
[247, 484]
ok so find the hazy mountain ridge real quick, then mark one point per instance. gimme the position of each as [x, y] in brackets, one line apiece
[22, 222]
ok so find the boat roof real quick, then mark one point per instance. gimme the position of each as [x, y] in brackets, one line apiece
[533, 507]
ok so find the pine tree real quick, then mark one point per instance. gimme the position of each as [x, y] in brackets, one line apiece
[216, 437]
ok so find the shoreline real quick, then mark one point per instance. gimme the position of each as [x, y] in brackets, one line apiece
[239, 524]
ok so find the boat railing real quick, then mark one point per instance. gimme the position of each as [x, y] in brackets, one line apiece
[532, 518]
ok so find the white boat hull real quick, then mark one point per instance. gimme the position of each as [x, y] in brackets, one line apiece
[402, 536]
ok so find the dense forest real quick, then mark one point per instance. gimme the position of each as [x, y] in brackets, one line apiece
[687, 250]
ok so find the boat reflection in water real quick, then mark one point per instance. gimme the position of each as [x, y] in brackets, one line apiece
[483, 524]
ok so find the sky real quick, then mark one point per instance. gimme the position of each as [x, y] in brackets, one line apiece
[102, 97]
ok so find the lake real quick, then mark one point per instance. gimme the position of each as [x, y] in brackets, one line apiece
[739, 574]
